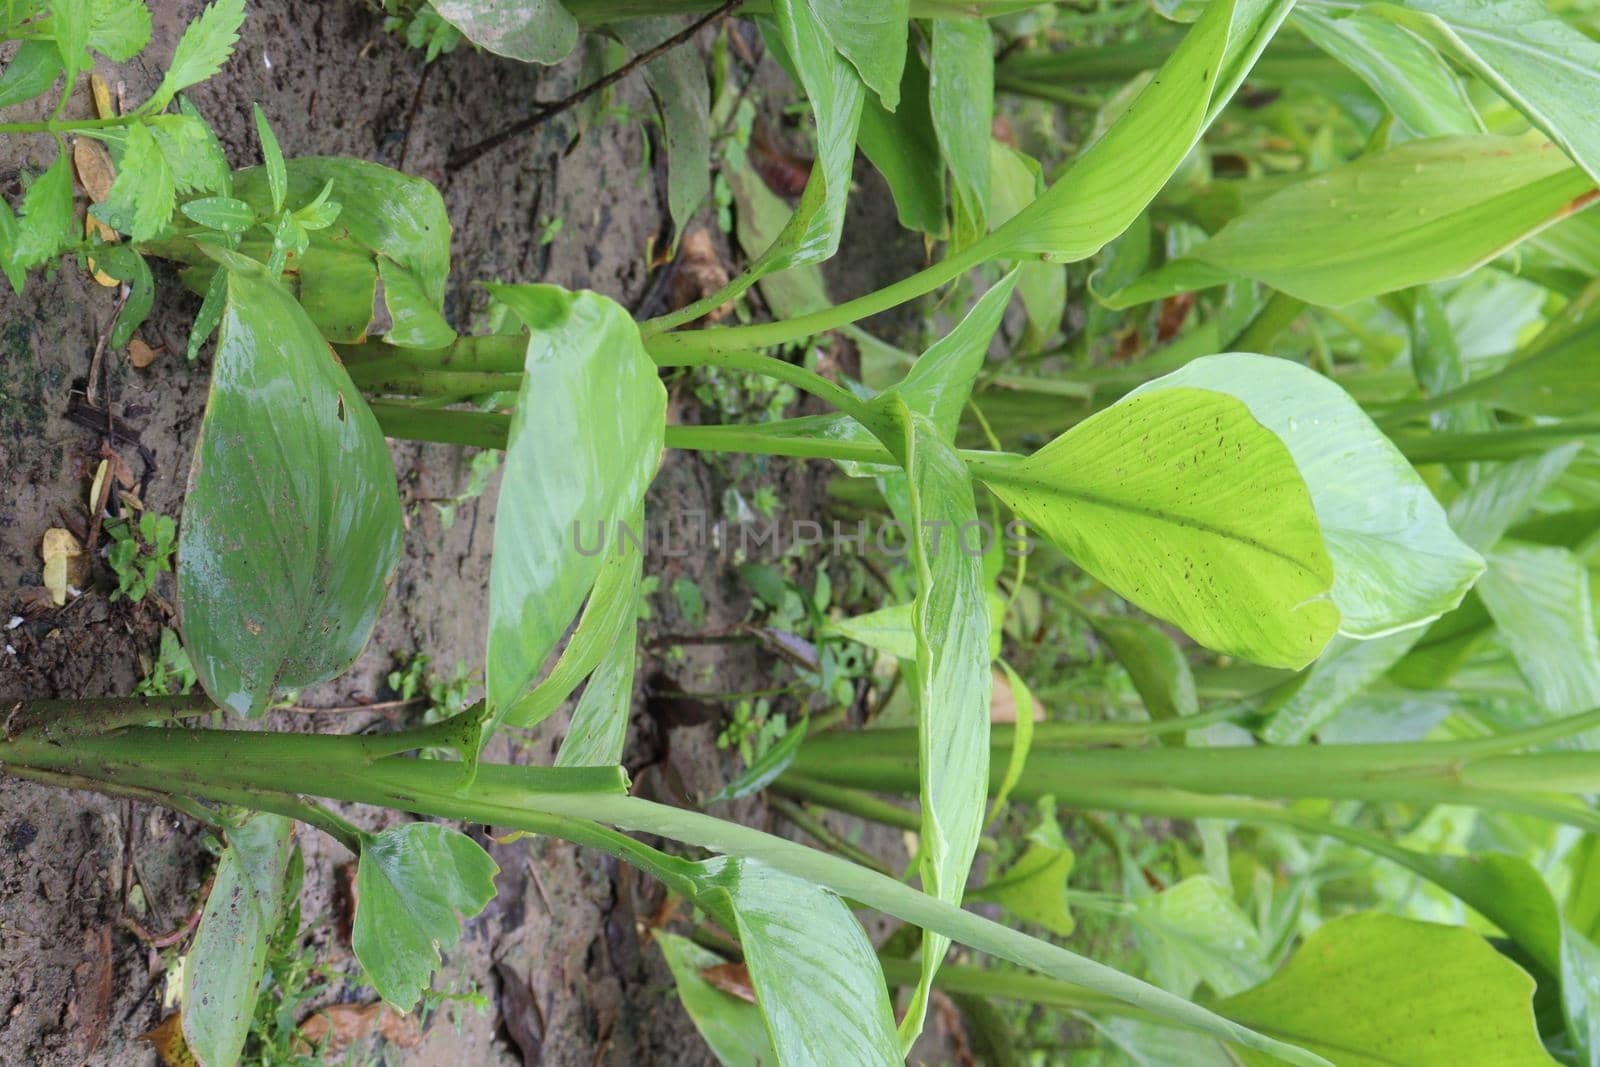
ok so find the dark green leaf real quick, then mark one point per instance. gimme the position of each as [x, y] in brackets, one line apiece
[34, 69]
[414, 885]
[678, 82]
[46, 225]
[765, 770]
[126, 265]
[904, 147]
[291, 526]
[209, 315]
[871, 36]
[1159, 670]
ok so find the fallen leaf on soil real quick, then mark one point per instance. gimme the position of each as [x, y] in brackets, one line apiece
[64, 563]
[102, 97]
[119, 466]
[140, 354]
[342, 1025]
[699, 274]
[733, 979]
[93, 227]
[523, 1018]
[95, 170]
[90, 1005]
[167, 1040]
[98, 485]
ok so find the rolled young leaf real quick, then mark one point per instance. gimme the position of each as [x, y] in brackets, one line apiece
[1179, 500]
[584, 445]
[291, 523]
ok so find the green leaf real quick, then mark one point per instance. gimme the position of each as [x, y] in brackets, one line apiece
[592, 396]
[141, 199]
[1022, 733]
[1419, 212]
[46, 225]
[191, 152]
[884, 629]
[767, 767]
[677, 80]
[1193, 932]
[606, 621]
[599, 727]
[1112, 182]
[126, 265]
[1408, 75]
[1034, 887]
[950, 619]
[1158, 667]
[414, 321]
[961, 98]
[206, 44]
[816, 977]
[1427, 996]
[32, 71]
[1344, 671]
[119, 29]
[220, 213]
[272, 159]
[1538, 595]
[904, 146]
[415, 884]
[732, 1027]
[1184, 504]
[209, 315]
[291, 527]
[222, 973]
[534, 31]
[1396, 562]
[1483, 514]
[70, 21]
[1015, 180]
[1547, 69]
[872, 37]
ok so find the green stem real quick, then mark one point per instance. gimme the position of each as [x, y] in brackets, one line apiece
[858, 803]
[717, 339]
[1275, 316]
[825, 837]
[57, 719]
[59, 126]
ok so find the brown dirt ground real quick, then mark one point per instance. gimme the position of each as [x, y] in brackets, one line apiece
[559, 951]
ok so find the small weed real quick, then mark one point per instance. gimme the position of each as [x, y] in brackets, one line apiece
[140, 552]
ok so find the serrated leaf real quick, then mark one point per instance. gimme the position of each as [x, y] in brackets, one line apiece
[591, 395]
[1428, 996]
[534, 31]
[1184, 504]
[119, 29]
[192, 153]
[46, 223]
[1396, 561]
[142, 198]
[291, 526]
[415, 884]
[70, 22]
[206, 44]
[222, 973]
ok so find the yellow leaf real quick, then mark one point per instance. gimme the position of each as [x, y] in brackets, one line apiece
[91, 227]
[64, 563]
[102, 97]
[95, 169]
[99, 484]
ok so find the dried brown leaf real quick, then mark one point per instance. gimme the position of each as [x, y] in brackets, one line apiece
[733, 979]
[343, 1025]
[167, 1040]
[140, 354]
[95, 169]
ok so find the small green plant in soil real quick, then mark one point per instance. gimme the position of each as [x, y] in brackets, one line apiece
[140, 552]
[1333, 520]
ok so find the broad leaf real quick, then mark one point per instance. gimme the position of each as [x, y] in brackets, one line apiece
[534, 31]
[816, 976]
[1550, 71]
[1538, 595]
[950, 620]
[33, 69]
[733, 1027]
[1158, 667]
[415, 884]
[291, 523]
[141, 198]
[1406, 73]
[1426, 996]
[871, 36]
[1483, 514]
[1396, 562]
[1193, 932]
[904, 146]
[1111, 183]
[1034, 887]
[592, 398]
[222, 973]
[1187, 506]
[1420, 212]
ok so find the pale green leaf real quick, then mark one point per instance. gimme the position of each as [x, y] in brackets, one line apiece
[222, 972]
[1426, 996]
[291, 525]
[1193, 932]
[1538, 595]
[1396, 562]
[1034, 886]
[415, 884]
[871, 36]
[46, 224]
[534, 31]
[1482, 514]
[192, 153]
[599, 727]
[142, 197]
[591, 396]
[119, 29]
[414, 321]
[677, 80]
[732, 1027]
[32, 70]
[961, 99]
[1184, 504]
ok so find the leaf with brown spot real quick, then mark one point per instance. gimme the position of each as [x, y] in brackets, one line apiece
[733, 979]
[167, 1040]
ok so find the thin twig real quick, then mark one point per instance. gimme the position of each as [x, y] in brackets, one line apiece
[545, 112]
[91, 392]
[190, 921]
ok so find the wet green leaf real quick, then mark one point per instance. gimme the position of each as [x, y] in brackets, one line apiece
[415, 884]
[142, 197]
[206, 44]
[291, 525]
[732, 1027]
